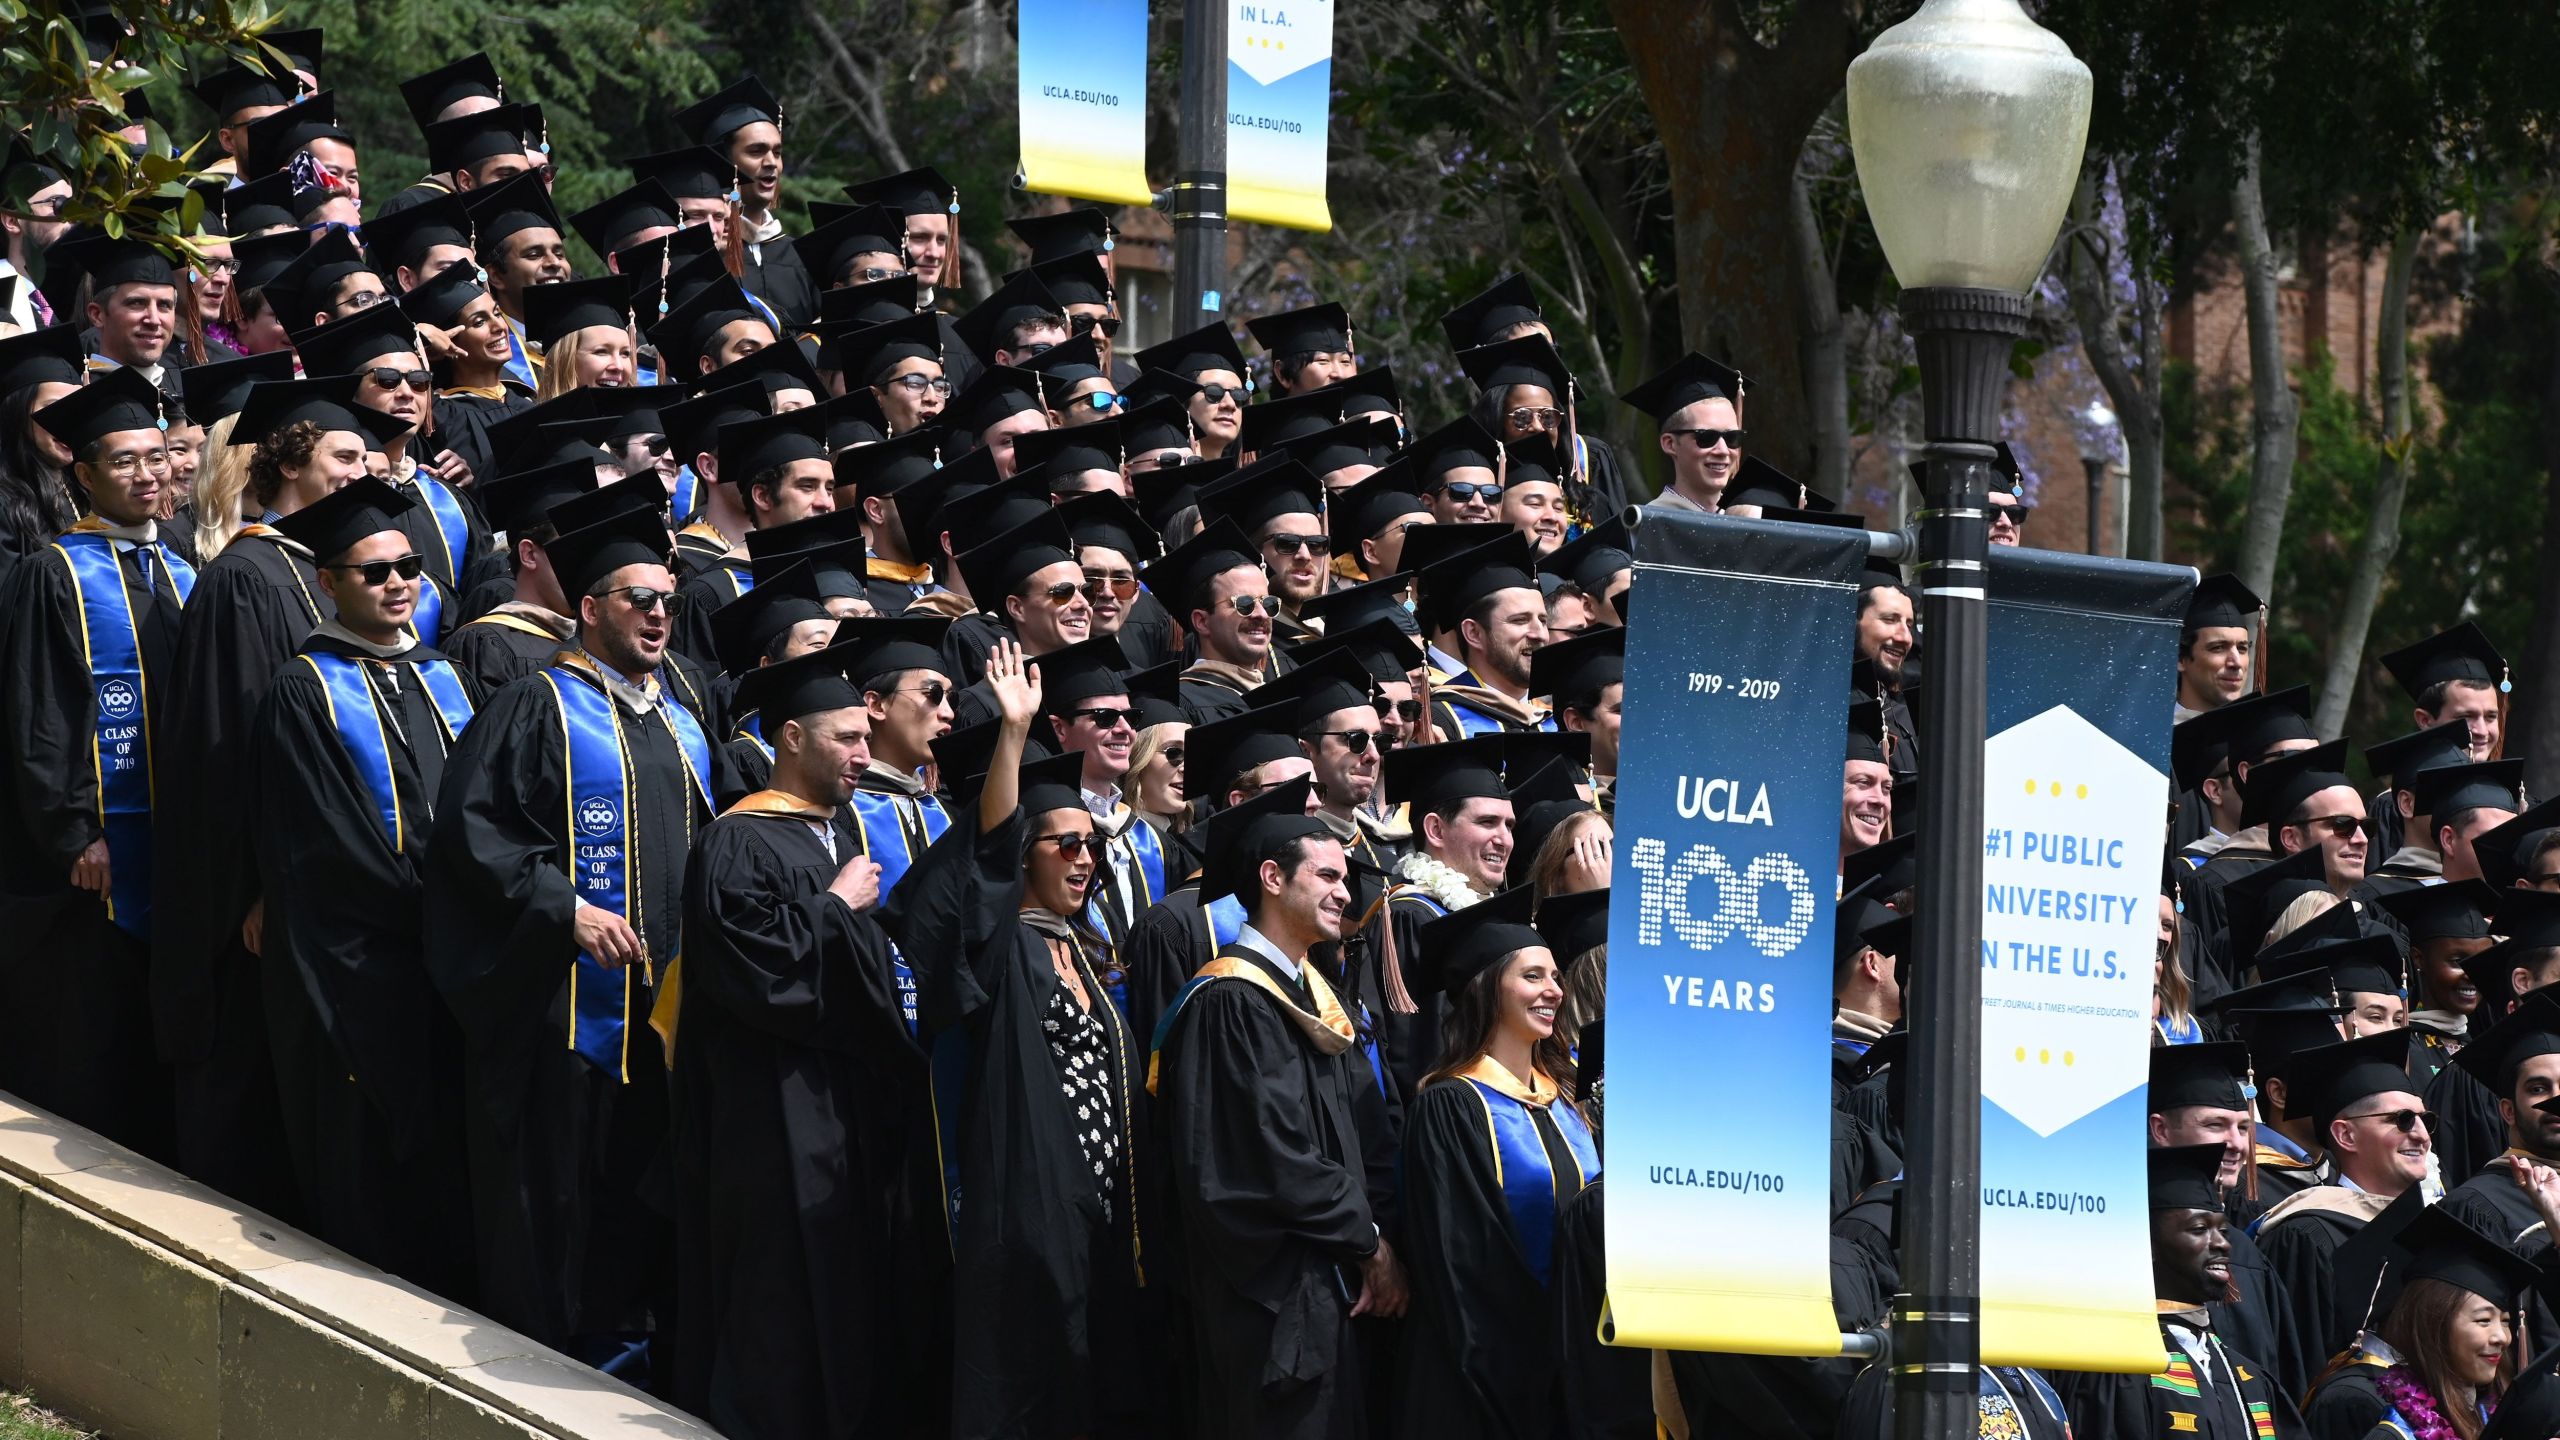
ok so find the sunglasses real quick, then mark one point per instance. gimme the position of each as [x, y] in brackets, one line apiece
[1098, 584]
[1489, 492]
[642, 598]
[388, 378]
[2014, 514]
[1354, 741]
[1409, 711]
[1109, 325]
[1537, 417]
[1295, 544]
[1216, 392]
[1071, 844]
[2342, 826]
[933, 692]
[1060, 592]
[1710, 439]
[1102, 717]
[656, 445]
[1247, 604]
[1174, 754]
[378, 573]
[1098, 400]
[2403, 1121]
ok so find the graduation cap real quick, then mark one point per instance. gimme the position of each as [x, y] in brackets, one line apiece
[1691, 378]
[992, 506]
[1274, 423]
[729, 110]
[1064, 366]
[1317, 688]
[1105, 520]
[889, 467]
[1051, 784]
[1211, 347]
[885, 648]
[264, 204]
[1463, 944]
[1492, 314]
[262, 258]
[1892, 861]
[999, 393]
[685, 335]
[115, 401]
[1757, 482]
[351, 342]
[1160, 427]
[1866, 731]
[2364, 965]
[585, 558]
[1543, 797]
[2454, 910]
[1071, 450]
[829, 250]
[1527, 360]
[274, 139]
[328, 401]
[509, 208]
[1085, 230]
[963, 755]
[1361, 440]
[472, 77]
[466, 140]
[2200, 745]
[998, 567]
[1575, 924]
[849, 309]
[1595, 557]
[749, 448]
[303, 288]
[2434, 747]
[2214, 1073]
[2461, 653]
[2506, 853]
[988, 325]
[53, 354]
[439, 299]
[2443, 1246]
[625, 213]
[745, 631]
[331, 525]
[2529, 1409]
[1383, 641]
[1364, 511]
[381, 429]
[1579, 667]
[831, 541]
[1429, 777]
[552, 313]
[923, 503]
[2276, 788]
[2259, 723]
[1446, 589]
[221, 387]
[1077, 279]
[1238, 839]
[1183, 577]
[2252, 900]
[688, 173]
[237, 87]
[2185, 1177]
[107, 260]
[641, 494]
[910, 192]
[1155, 695]
[403, 237]
[2485, 785]
[1254, 497]
[2221, 602]
[1322, 329]
[1075, 673]
[1222, 752]
[869, 355]
[786, 690]
[1861, 908]
[2326, 1079]
[520, 503]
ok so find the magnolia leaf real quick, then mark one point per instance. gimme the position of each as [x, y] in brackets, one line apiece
[113, 223]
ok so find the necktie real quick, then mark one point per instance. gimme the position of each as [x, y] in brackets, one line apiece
[155, 573]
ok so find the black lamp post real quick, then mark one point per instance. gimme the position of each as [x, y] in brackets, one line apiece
[1197, 200]
[1967, 121]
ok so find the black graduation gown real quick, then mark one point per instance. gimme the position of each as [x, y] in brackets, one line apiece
[2134, 1407]
[1608, 1389]
[966, 643]
[1411, 1043]
[775, 275]
[795, 1081]
[2348, 1402]
[1481, 1344]
[1043, 1285]
[373, 1115]
[2469, 1132]
[2493, 1205]
[456, 573]
[1147, 634]
[252, 608]
[463, 419]
[75, 1011]
[2302, 1251]
[568, 1246]
[2260, 1322]
[1206, 697]
[498, 649]
[1274, 1206]
[705, 591]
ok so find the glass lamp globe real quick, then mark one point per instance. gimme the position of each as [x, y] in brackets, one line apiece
[1967, 121]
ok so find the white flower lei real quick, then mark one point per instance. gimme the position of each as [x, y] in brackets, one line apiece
[1437, 880]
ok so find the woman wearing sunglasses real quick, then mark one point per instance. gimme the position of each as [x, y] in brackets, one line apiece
[1482, 1348]
[1039, 1136]
[466, 337]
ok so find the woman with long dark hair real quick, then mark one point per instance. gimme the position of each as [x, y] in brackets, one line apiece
[36, 503]
[2433, 1367]
[1493, 1148]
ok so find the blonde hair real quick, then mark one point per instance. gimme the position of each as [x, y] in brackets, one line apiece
[2303, 910]
[1151, 743]
[2176, 992]
[558, 379]
[222, 489]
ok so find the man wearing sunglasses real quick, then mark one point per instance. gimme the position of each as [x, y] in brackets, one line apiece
[1454, 469]
[1309, 348]
[554, 901]
[380, 347]
[2305, 799]
[354, 742]
[1082, 287]
[1211, 361]
[1698, 402]
[1482, 606]
[897, 664]
[1281, 510]
[1215, 586]
[1328, 701]
[2379, 1136]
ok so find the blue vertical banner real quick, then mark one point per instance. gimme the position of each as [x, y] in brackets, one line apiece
[1279, 111]
[2075, 814]
[1728, 844]
[1082, 82]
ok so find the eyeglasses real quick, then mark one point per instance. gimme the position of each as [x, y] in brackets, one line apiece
[1071, 843]
[933, 692]
[1462, 490]
[126, 466]
[2342, 826]
[362, 300]
[2403, 1121]
[387, 377]
[1098, 583]
[1109, 325]
[919, 384]
[1060, 592]
[641, 597]
[216, 265]
[1294, 544]
[1537, 417]
[1355, 741]
[1165, 460]
[1409, 711]
[1247, 604]
[1217, 392]
[1710, 439]
[871, 273]
[1101, 717]
[378, 573]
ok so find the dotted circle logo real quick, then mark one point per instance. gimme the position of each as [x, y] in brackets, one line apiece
[117, 700]
[597, 815]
